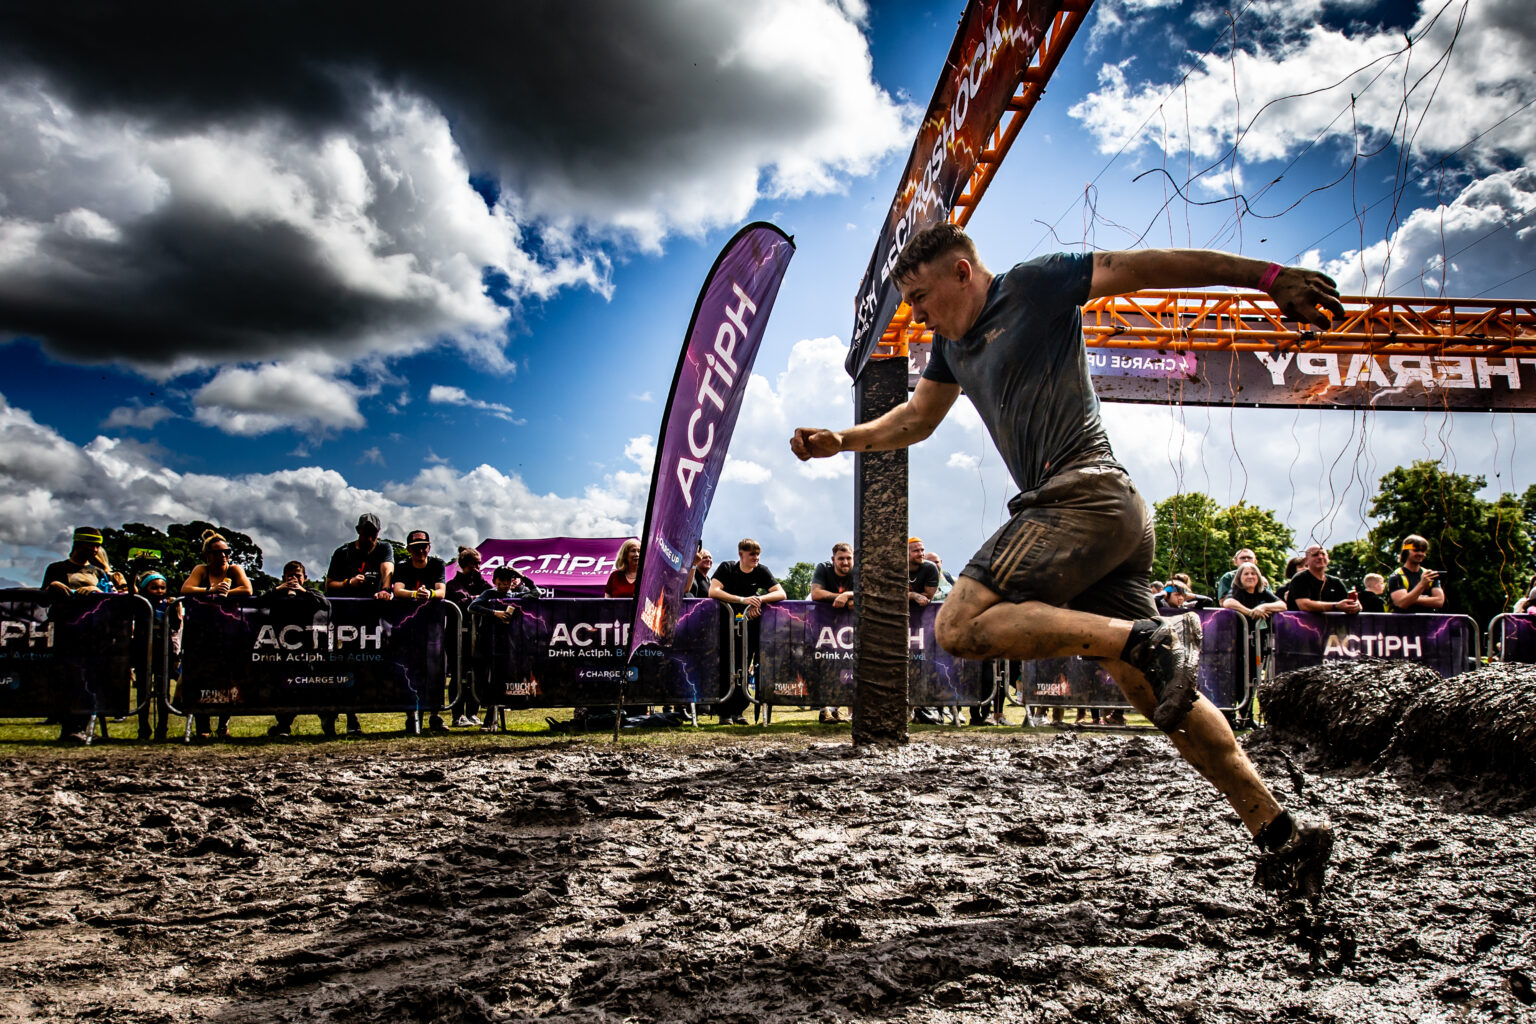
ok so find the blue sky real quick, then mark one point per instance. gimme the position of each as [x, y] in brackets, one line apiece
[382, 266]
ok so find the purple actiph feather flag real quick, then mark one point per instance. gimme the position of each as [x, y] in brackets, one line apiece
[712, 373]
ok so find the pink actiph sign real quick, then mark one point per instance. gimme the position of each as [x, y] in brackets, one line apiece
[558, 566]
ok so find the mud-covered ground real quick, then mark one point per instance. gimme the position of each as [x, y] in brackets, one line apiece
[1020, 877]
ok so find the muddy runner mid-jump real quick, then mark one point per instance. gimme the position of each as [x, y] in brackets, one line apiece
[1069, 573]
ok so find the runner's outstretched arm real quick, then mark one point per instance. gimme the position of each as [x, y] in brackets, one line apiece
[905, 425]
[1301, 294]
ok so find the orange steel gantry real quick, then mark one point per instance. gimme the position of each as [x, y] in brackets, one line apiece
[1235, 321]
[1187, 321]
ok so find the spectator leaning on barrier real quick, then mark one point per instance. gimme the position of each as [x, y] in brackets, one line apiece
[1249, 595]
[1374, 597]
[623, 579]
[1292, 567]
[1313, 590]
[364, 567]
[1411, 587]
[85, 568]
[1240, 558]
[152, 586]
[745, 585]
[922, 584]
[468, 583]
[420, 578]
[293, 596]
[836, 583]
[946, 581]
[217, 576]
[361, 568]
[509, 585]
[698, 576]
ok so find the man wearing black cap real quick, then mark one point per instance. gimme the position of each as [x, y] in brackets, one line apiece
[362, 568]
[80, 573]
[421, 578]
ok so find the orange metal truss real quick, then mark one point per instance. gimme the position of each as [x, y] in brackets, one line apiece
[893, 342]
[1250, 321]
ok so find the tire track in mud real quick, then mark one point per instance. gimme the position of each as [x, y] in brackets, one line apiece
[1014, 878]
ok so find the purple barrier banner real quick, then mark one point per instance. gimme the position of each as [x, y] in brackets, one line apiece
[68, 654]
[1445, 643]
[992, 49]
[1514, 638]
[558, 566]
[1076, 682]
[807, 659]
[240, 655]
[712, 374]
[574, 653]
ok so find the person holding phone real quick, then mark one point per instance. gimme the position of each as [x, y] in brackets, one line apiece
[1411, 587]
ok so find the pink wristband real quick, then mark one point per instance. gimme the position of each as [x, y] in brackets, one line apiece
[1268, 277]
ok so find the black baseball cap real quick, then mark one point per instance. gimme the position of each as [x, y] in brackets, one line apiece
[417, 537]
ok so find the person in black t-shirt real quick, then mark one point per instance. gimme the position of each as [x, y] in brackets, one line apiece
[836, 581]
[1067, 574]
[922, 575]
[698, 576]
[1313, 590]
[1373, 598]
[420, 578]
[362, 568]
[1411, 587]
[746, 585]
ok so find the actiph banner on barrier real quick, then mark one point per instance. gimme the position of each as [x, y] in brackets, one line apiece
[807, 659]
[69, 654]
[987, 60]
[1514, 637]
[1076, 682]
[575, 653]
[1445, 643]
[713, 369]
[558, 566]
[296, 654]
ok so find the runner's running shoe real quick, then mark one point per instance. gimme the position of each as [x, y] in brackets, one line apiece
[1298, 866]
[1169, 657]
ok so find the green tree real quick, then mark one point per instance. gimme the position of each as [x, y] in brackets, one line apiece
[1483, 547]
[1248, 526]
[1189, 540]
[181, 549]
[798, 583]
[1350, 560]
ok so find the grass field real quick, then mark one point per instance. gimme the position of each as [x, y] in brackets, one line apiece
[250, 732]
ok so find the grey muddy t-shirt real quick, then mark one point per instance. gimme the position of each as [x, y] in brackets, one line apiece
[1024, 367]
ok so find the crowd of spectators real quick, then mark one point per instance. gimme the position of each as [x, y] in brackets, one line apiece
[366, 567]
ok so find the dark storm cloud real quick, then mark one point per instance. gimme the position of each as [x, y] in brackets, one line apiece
[345, 135]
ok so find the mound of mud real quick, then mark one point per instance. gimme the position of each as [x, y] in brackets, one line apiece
[960, 879]
[1479, 726]
[1349, 708]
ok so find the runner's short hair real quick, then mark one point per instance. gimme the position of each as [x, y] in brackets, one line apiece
[842, 545]
[928, 245]
[750, 546]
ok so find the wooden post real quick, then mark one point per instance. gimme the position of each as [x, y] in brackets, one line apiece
[880, 711]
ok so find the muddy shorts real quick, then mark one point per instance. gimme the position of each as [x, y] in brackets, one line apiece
[1082, 540]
